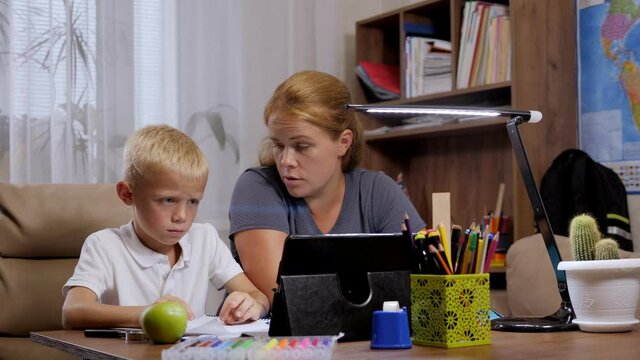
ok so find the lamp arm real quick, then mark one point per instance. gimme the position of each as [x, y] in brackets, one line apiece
[540, 214]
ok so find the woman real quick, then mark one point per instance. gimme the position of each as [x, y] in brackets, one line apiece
[309, 182]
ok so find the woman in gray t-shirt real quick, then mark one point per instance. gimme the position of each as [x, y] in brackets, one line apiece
[309, 182]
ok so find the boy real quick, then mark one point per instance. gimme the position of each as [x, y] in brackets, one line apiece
[160, 255]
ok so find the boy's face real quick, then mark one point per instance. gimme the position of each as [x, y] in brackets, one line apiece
[164, 207]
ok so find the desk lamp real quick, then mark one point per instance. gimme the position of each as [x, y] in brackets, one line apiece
[561, 319]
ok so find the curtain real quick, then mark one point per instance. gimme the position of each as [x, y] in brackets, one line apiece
[78, 76]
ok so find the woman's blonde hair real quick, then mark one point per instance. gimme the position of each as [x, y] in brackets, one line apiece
[320, 99]
[159, 149]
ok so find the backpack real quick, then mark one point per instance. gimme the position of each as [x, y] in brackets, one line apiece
[576, 184]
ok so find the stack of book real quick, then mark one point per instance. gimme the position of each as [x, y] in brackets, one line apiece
[485, 45]
[427, 66]
[380, 81]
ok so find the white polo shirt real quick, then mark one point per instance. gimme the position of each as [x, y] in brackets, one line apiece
[120, 270]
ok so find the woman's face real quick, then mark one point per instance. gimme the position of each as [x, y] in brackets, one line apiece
[308, 159]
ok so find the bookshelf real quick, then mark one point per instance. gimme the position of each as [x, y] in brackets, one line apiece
[471, 159]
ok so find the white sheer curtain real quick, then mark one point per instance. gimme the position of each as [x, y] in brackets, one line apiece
[76, 77]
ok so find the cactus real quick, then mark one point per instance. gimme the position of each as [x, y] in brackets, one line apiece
[583, 234]
[607, 249]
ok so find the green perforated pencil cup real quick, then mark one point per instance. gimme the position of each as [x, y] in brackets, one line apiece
[450, 310]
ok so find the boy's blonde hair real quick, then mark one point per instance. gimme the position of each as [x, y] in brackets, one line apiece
[158, 149]
[319, 99]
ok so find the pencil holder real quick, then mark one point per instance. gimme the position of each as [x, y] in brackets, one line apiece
[450, 310]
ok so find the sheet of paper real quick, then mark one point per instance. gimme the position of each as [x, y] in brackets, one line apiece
[212, 325]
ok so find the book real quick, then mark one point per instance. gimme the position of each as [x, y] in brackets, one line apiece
[418, 29]
[380, 81]
[384, 76]
[212, 325]
[428, 66]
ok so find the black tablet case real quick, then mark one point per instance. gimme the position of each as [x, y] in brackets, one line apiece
[329, 284]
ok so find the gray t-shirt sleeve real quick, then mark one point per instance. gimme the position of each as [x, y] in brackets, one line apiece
[389, 204]
[257, 204]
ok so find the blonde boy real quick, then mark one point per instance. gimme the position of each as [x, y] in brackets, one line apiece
[160, 255]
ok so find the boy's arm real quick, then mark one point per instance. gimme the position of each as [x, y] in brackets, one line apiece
[81, 310]
[245, 301]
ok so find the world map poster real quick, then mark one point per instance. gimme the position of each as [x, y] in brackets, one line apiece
[609, 85]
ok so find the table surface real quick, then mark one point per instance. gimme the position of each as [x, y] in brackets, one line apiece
[506, 345]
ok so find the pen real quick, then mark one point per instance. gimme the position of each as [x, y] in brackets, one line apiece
[283, 343]
[104, 333]
[432, 264]
[413, 250]
[423, 260]
[247, 344]
[468, 254]
[491, 252]
[237, 344]
[461, 252]
[438, 244]
[432, 242]
[271, 344]
[495, 220]
[479, 250]
[485, 250]
[305, 342]
[445, 243]
[473, 246]
[456, 230]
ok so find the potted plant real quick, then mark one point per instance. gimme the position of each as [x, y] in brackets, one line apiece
[604, 289]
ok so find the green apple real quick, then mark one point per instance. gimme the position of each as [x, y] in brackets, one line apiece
[165, 322]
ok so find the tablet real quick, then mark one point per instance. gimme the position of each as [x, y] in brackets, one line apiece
[337, 253]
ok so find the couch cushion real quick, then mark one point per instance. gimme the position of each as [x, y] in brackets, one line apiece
[53, 220]
[532, 289]
[31, 294]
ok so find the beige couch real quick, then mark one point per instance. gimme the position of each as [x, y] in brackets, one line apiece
[532, 289]
[42, 228]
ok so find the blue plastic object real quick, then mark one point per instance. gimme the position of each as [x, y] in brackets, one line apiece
[390, 330]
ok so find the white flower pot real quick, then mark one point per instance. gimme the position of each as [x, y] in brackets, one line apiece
[604, 293]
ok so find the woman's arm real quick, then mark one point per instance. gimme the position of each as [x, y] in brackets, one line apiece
[260, 251]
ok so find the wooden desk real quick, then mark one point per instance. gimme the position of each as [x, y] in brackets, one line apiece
[563, 345]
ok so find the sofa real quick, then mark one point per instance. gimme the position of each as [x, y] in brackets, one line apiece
[532, 289]
[42, 229]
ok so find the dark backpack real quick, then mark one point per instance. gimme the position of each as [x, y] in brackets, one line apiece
[576, 184]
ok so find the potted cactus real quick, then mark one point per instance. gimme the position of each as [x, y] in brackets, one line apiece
[604, 289]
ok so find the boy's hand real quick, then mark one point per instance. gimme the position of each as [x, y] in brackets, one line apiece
[239, 307]
[184, 304]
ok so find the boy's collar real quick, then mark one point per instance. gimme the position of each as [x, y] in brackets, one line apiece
[146, 257]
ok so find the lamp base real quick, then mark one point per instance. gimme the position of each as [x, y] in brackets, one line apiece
[558, 321]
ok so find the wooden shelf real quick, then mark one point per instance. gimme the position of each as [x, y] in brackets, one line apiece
[471, 159]
[439, 158]
[491, 95]
[461, 128]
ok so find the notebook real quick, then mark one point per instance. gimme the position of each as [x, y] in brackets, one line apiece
[212, 325]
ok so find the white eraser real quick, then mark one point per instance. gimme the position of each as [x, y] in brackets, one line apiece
[392, 306]
[536, 116]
